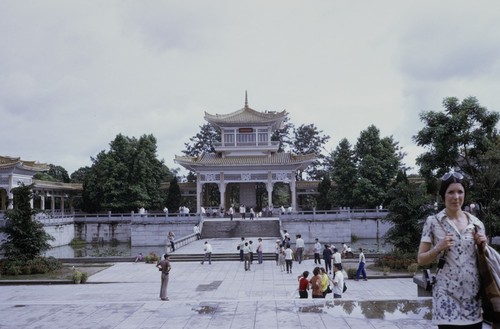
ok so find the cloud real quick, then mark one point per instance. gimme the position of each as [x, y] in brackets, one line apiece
[74, 75]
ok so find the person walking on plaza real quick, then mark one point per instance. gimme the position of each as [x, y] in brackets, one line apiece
[208, 253]
[252, 214]
[317, 252]
[337, 258]
[299, 245]
[281, 259]
[288, 259]
[260, 251]
[196, 230]
[231, 212]
[361, 265]
[171, 238]
[455, 236]
[277, 251]
[304, 285]
[164, 267]
[250, 248]
[240, 248]
[243, 210]
[246, 255]
[338, 281]
[327, 256]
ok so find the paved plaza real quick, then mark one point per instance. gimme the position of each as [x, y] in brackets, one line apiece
[220, 295]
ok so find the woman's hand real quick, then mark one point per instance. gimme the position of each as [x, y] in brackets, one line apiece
[446, 243]
[480, 239]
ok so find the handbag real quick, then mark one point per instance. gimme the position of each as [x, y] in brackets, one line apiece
[345, 288]
[328, 289]
[488, 263]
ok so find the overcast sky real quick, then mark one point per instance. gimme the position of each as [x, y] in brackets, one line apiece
[74, 74]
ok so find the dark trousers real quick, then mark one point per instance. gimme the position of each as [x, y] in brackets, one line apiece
[208, 255]
[288, 265]
[317, 259]
[303, 294]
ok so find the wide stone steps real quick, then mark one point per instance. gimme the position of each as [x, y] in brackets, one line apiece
[238, 228]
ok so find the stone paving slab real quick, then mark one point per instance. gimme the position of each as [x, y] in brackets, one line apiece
[221, 295]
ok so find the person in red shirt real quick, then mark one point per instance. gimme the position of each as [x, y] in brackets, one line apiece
[303, 285]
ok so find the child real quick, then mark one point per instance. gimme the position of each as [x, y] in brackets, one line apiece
[281, 259]
[303, 284]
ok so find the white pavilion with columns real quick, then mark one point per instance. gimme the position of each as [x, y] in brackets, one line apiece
[246, 156]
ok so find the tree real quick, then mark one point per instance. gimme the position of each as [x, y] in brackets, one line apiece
[308, 139]
[127, 177]
[283, 135]
[25, 236]
[464, 138]
[342, 169]
[410, 205]
[174, 196]
[324, 189]
[78, 176]
[203, 142]
[455, 138]
[54, 174]
[378, 160]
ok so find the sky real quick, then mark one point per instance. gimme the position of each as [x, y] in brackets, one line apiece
[74, 74]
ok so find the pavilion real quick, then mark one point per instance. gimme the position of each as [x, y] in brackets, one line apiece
[246, 156]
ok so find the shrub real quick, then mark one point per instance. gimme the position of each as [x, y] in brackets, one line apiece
[152, 257]
[85, 277]
[413, 268]
[351, 273]
[396, 260]
[77, 277]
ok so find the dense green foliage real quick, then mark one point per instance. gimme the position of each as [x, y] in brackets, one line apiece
[25, 236]
[173, 201]
[362, 175]
[54, 174]
[308, 139]
[127, 177]
[464, 138]
[203, 142]
[408, 207]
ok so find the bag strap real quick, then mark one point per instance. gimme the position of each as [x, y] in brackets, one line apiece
[442, 258]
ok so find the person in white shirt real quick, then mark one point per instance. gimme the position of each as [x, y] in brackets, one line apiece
[260, 249]
[361, 265]
[338, 281]
[299, 245]
[317, 252]
[196, 230]
[288, 259]
[337, 258]
[208, 253]
[246, 255]
[243, 210]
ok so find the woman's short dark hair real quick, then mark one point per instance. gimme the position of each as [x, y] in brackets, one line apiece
[316, 271]
[450, 178]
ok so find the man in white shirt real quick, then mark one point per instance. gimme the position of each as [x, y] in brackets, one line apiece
[196, 230]
[338, 281]
[337, 258]
[317, 252]
[299, 245]
[208, 253]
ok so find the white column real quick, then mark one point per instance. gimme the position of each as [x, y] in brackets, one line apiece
[62, 203]
[222, 191]
[293, 189]
[269, 187]
[42, 201]
[199, 190]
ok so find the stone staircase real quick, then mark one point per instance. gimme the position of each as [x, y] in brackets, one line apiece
[264, 228]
